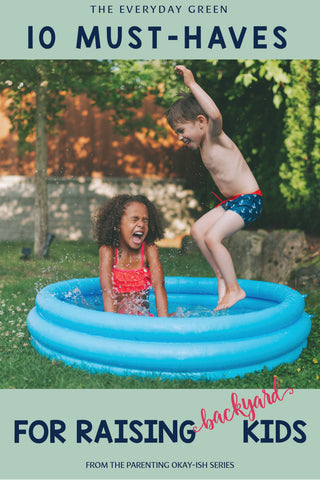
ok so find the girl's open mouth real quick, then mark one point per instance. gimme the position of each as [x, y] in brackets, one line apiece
[137, 237]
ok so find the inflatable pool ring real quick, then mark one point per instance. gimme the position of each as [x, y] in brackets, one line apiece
[269, 327]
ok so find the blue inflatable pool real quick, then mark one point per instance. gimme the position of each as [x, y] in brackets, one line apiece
[266, 329]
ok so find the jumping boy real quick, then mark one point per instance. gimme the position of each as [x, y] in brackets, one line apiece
[198, 123]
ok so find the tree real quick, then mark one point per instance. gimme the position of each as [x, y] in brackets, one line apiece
[250, 95]
[300, 172]
[41, 193]
[270, 109]
[21, 80]
[37, 92]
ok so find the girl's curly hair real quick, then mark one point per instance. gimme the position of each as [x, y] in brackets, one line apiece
[108, 217]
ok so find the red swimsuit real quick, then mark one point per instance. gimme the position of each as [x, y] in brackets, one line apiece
[125, 281]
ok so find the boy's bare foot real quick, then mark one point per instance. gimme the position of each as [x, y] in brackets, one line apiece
[230, 298]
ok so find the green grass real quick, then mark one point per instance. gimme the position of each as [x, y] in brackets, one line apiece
[22, 367]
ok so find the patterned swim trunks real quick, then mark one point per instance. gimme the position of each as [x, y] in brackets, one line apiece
[248, 206]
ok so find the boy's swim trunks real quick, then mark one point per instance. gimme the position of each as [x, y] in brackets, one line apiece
[248, 206]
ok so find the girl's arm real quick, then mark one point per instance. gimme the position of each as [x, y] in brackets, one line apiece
[204, 100]
[157, 279]
[105, 273]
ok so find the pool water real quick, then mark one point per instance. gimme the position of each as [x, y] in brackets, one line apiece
[269, 327]
[176, 304]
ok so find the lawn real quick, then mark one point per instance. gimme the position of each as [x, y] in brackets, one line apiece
[22, 367]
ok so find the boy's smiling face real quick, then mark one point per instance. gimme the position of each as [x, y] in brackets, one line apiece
[190, 133]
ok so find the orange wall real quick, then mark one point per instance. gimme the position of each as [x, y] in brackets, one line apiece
[86, 145]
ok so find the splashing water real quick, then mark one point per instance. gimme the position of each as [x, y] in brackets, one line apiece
[197, 311]
[128, 305]
[75, 297]
[134, 306]
[53, 272]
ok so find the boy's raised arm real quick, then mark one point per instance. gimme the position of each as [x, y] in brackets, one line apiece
[202, 97]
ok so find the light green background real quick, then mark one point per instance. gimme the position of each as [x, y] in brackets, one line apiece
[253, 461]
[300, 18]
[224, 443]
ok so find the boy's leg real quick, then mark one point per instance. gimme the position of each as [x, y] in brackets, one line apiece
[227, 224]
[199, 231]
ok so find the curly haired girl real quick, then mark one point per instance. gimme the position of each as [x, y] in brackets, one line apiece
[126, 227]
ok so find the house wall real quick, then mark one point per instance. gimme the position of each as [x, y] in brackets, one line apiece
[73, 202]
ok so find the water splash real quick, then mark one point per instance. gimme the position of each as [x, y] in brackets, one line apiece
[197, 311]
[136, 306]
[132, 304]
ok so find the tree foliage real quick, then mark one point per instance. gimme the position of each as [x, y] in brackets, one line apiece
[250, 95]
[117, 85]
[37, 89]
[300, 169]
[270, 109]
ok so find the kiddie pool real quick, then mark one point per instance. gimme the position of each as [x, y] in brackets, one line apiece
[269, 327]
